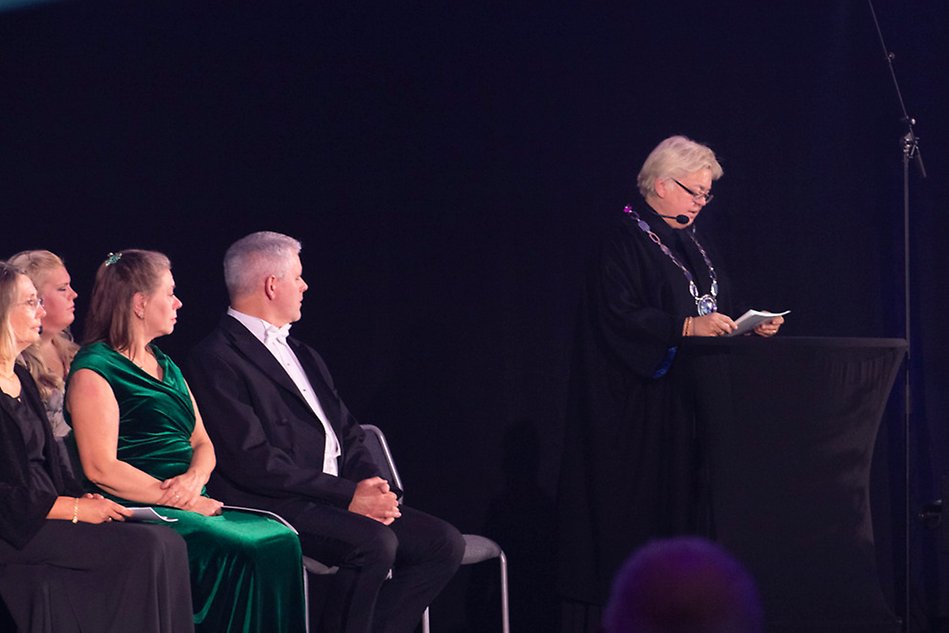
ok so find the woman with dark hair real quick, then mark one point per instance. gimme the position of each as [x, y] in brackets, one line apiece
[141, 439]
[67, 560]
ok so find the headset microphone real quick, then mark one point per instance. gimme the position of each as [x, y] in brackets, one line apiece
[681, 218]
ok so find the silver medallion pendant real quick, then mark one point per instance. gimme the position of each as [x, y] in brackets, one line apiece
[705, 304]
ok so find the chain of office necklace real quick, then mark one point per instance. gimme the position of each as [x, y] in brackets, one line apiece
[704, 304]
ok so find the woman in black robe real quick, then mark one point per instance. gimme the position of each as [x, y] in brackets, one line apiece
[627, 471]
[68, 562]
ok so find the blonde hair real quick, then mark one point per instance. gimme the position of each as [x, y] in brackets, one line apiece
[36, 265]
[674, 158]
[8, 281]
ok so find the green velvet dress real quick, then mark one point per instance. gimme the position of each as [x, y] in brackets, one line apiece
[246, 569]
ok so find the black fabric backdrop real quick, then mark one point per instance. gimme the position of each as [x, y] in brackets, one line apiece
[444, 166]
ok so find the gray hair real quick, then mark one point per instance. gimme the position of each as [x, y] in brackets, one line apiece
[258, 255]
[674, 158]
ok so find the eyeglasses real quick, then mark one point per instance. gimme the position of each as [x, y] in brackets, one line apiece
[702, 198]
[33, 303]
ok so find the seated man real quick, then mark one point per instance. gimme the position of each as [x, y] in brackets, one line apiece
[683, 585]
[287, 443]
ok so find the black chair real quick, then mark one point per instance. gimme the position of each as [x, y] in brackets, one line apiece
[477, 548]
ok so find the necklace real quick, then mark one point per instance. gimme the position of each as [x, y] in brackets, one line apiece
[135, 362]
[155, 373]
[705, 304]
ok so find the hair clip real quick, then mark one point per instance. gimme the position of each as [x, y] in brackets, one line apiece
[112, 258]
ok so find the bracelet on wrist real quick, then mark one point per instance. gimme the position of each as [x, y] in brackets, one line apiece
[75, 510]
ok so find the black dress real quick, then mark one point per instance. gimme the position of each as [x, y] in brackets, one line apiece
[628, 472]
[65, 577]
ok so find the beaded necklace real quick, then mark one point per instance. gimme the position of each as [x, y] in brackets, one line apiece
[704, 304]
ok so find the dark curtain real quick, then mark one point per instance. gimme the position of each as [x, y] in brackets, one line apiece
[445, 166]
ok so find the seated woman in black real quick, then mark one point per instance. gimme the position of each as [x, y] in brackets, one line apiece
[68, 562]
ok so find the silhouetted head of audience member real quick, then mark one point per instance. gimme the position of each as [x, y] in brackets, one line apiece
[683, 585]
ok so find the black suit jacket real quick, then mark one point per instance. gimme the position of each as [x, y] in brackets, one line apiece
[268, 442]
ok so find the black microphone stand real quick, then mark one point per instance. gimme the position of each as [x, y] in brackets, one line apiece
[909, 144]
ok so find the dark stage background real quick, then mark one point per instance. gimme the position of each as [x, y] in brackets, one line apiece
[446, 168]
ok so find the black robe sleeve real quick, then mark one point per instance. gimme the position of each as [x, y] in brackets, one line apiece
[628, 303]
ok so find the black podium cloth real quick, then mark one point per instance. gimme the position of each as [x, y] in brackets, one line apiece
[788, 427]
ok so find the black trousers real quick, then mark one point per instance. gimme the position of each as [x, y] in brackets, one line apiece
[422, 551]
[114, 577]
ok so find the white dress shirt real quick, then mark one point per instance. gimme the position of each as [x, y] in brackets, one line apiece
[275, 340]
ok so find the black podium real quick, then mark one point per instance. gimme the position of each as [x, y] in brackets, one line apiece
[787, 428]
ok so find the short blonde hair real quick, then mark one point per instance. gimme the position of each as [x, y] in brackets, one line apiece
[674, 158]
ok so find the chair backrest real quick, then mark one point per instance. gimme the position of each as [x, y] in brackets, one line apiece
[375, 441]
